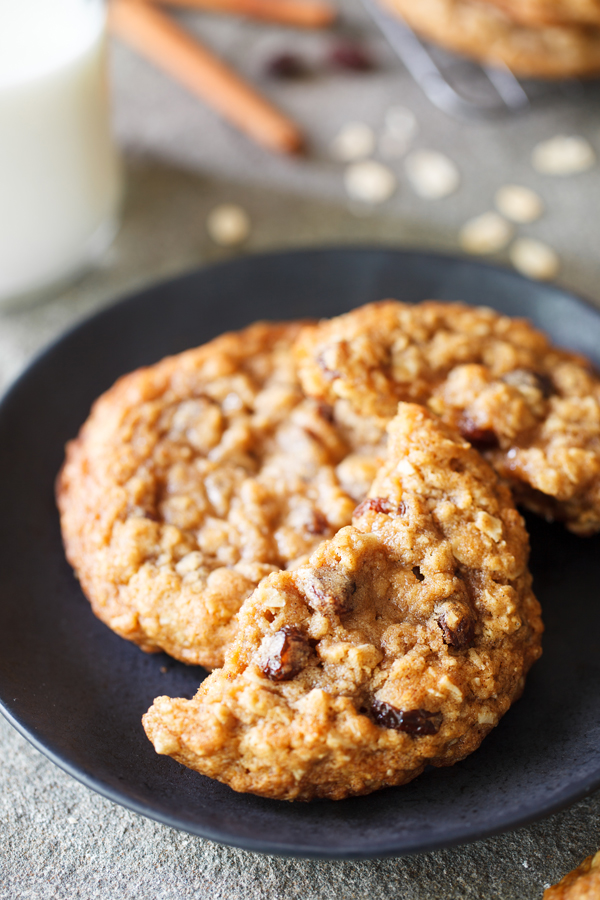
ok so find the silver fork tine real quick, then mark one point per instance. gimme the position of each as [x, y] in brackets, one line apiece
[507, 85]
[509, 96]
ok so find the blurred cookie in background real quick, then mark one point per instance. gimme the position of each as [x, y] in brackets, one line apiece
[488, 34]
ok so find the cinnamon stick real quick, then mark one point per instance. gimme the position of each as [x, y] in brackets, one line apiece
[157, 37]
[297, 13]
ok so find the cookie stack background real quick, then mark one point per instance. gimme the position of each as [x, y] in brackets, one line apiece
[534, 38]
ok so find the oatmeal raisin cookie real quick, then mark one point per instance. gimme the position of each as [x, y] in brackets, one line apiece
[551, 12]
[531, 408]
[400, 643]
[487, 34]
[583, 883]
[192, 480]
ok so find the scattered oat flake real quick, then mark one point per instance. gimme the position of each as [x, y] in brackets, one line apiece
[534, 259]
[369, 181]
[355, 140]
[401, 122]
[431, 174]
[397, 136]
[563, 155]
[485, 234]
[228, 224]
[519, 204]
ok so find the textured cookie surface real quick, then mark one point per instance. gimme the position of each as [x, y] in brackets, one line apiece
[551, 12]
[531, 408]
[195, 478]
[484, 32]
[400, 643]
[583, 883]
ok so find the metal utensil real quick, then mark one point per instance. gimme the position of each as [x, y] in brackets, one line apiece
[457, 86]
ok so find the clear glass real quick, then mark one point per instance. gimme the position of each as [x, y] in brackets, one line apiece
[60, 178]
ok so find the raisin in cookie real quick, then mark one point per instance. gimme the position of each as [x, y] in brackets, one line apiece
[195, 478]
[400, 643]
[486, 33]
[531, 408]
[583, 883]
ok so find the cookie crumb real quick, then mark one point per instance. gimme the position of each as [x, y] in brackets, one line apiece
[228, 225]
[563, 155]
[355, 140]
[432, 174]
[369, 181]
[486, 233]
[534, 259]
[518, 203]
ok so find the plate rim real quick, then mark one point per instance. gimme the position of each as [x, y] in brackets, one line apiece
[461, 835]
[284, 849]
[131, 295]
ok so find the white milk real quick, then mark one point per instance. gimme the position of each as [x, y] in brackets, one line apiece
[59, 174]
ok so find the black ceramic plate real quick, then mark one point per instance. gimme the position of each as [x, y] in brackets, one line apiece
[77, 691]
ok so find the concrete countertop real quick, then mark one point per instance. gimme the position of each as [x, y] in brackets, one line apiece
[58, 839]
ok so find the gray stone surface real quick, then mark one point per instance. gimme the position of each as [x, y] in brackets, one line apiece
[58, 839]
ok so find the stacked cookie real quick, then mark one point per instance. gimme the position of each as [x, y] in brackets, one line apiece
[316, 509]
[534, 38]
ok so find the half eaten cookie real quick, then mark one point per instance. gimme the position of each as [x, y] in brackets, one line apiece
[400, 643]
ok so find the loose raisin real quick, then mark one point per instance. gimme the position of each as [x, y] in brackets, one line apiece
[286, 653]
[351, 56]
[413, 721]
[287, 66]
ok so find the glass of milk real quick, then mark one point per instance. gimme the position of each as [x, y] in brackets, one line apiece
[60, 184]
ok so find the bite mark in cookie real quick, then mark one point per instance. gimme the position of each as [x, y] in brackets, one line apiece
[427, 630]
